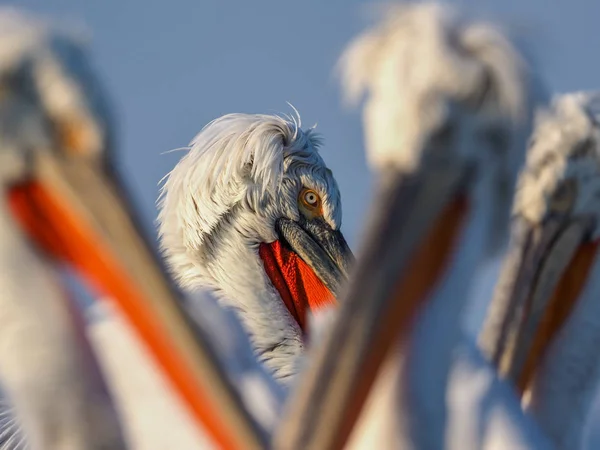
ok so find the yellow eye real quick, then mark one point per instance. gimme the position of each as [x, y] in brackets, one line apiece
[311, 198]
[310, 202]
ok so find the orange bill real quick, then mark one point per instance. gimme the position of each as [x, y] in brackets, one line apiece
[543, 289]
[560, 305]
[411, 292]
[78, 215]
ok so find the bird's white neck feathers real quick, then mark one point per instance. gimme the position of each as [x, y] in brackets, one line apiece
[241, 174]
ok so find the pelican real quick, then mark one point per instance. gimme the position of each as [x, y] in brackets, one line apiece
[543, 327]
[446, 120]
[63, 202]
[152, 417]
[253, 213]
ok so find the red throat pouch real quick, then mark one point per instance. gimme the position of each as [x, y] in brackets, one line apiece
[298, 285]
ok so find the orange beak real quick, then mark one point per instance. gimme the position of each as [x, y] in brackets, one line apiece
[409, 243]
[78, 214]
[541, 283]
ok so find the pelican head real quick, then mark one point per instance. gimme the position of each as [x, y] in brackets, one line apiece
[253, 212]
[446, 115]
[556, 226]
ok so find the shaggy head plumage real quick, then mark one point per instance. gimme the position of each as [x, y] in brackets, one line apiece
[562, 172]
[420, 64]
[440, 85]
[242, 173]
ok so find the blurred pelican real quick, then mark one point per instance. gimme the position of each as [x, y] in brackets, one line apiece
[445, 121]
[46, 368]
[253, 213]
[61, 186]
[543, 329]
[153, 418]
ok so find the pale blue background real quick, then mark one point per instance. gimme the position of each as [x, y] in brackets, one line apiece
[173, 66]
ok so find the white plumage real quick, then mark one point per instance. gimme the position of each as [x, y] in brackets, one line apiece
[153, 417]
[564, 146]
[241, 174]
[429, 56]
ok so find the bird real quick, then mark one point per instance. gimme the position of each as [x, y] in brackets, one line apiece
[448, 112]
[39, 335]
[543, 324]
[252, 213]
[152, 416]
[64, 202]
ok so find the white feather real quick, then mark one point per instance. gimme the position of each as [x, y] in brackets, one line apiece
[153, 416]
[419, 63]
[242, 172]
[565, 145]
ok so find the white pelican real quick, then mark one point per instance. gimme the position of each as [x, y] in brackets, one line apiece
[446, 120]
[543, 328]
[62, 187]
[253, 213]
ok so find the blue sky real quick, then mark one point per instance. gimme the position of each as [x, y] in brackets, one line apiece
[171, 67]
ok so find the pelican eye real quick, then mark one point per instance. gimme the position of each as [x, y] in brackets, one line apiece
[310, 203]
[564, 197]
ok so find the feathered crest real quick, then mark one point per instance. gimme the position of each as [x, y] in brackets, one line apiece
[564, 148]
[465, 59]
[237, 157]
[53, 62]
[420, 65]
[254, 145]
[572, 119]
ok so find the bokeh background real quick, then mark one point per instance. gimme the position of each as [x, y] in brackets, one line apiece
[173, 66]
